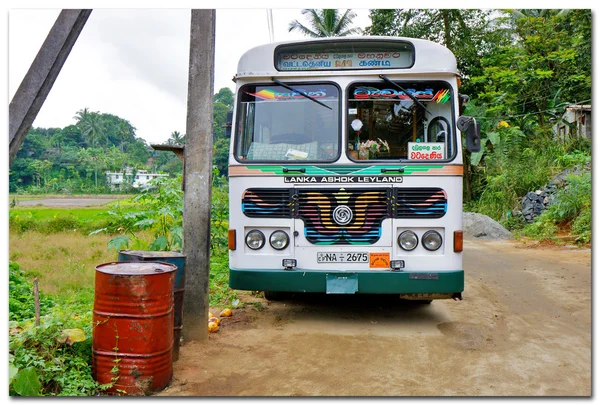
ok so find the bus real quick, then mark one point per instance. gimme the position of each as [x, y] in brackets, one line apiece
[346, 169]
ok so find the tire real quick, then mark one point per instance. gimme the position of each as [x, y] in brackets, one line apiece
[276, 295]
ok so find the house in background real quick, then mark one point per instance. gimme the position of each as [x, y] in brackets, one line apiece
[140, 179]
[580, 119]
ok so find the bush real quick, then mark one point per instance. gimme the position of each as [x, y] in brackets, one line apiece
[572, 208]
[20, 296]
[53, 358]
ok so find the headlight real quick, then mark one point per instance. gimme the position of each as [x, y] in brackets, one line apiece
[432, 240]
[279, 240]
[408, 240]
[255, 239]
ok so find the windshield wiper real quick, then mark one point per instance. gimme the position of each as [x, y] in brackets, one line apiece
[413, 98]
[302, 93]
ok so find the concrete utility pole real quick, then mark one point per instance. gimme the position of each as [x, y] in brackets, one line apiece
[198, 174]
[42, 73]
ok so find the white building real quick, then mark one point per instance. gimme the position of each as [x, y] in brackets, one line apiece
[140, 180]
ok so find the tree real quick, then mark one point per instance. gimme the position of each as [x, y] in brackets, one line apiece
[470, 34]
[176, 138]
[224, 96]
[548, 66]
[81, 115]
[326, 23]
[92, 128]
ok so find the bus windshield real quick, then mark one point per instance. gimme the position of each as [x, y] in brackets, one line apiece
[385, 123]
[277, 124]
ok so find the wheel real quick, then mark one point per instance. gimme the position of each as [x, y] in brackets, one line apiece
[276, 295]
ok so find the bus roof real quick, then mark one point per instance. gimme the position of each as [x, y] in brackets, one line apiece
[430, 58]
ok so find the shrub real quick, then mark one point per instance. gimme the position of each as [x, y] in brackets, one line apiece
[20, 296]
[53, 358]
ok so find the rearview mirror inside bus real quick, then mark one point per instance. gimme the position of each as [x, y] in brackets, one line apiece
[470, 127]
[227, 125]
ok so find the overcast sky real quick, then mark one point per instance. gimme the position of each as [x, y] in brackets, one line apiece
[133, 63]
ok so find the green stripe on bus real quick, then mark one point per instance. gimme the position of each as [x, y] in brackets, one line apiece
[344, 170]
[369, 282]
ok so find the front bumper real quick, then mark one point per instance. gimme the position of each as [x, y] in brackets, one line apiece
[369, 282]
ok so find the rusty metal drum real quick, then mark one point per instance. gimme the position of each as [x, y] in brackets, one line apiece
[178, 259]
[132, 339]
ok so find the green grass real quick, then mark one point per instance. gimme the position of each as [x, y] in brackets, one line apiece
[44, 213]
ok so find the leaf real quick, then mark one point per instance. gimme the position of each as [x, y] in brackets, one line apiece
[494, 138]
[145, 222]
[71, 336]
[12, 372]
[159, 243]
[27, 383]
[118, 242]
[476, 157]
[97, 231]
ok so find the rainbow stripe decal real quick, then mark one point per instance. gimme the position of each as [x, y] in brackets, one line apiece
[441, 96]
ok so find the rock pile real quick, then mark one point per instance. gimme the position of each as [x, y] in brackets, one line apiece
[479, 226]
[534, 203]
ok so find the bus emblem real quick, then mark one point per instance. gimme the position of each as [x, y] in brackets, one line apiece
[342, 215]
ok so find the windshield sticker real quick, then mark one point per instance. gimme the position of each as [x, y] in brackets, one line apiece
[441, 96]
[426, 150]
[366, 93]
[269, 94]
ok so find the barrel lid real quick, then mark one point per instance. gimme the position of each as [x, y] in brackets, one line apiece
[150, 254]
[136, 268]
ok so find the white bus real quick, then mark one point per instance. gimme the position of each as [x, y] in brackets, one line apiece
[346, 171]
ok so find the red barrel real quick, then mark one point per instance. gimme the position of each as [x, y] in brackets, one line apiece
[132, 340]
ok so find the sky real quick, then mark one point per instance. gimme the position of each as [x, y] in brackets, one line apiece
[133, 63]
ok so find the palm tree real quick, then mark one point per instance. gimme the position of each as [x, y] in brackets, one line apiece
[92, 127]
[81, 115]
[536, 12]
[326, 23]
[176, 138]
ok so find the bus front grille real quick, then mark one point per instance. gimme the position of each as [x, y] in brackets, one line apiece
[419, 203]
[267, 203]
[343, 217]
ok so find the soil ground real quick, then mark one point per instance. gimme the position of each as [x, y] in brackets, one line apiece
[522, 329]
[83, 201]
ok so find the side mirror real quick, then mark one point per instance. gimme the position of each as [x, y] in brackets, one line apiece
[471, 127]
[227, 125]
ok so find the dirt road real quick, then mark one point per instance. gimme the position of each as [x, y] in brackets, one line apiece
[523, 329]
[69, 201]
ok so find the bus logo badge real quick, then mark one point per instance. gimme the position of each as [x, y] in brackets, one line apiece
[342, 215]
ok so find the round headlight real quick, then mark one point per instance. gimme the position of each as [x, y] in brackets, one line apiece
[279, 240]
[408, 240]
[432, 240]
[255, 239]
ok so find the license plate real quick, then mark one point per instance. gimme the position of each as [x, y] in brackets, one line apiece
[342, 257]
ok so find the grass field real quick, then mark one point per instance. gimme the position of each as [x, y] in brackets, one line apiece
[63, 262]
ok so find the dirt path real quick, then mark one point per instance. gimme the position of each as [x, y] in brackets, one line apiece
[69, 201]
[523, 328]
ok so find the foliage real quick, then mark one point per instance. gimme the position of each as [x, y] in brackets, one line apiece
[469, 33]
[326, 23]
[572, 208]
[42, 360]
[21, 301]
[531, 80]
[158, 210]
[74, 159]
